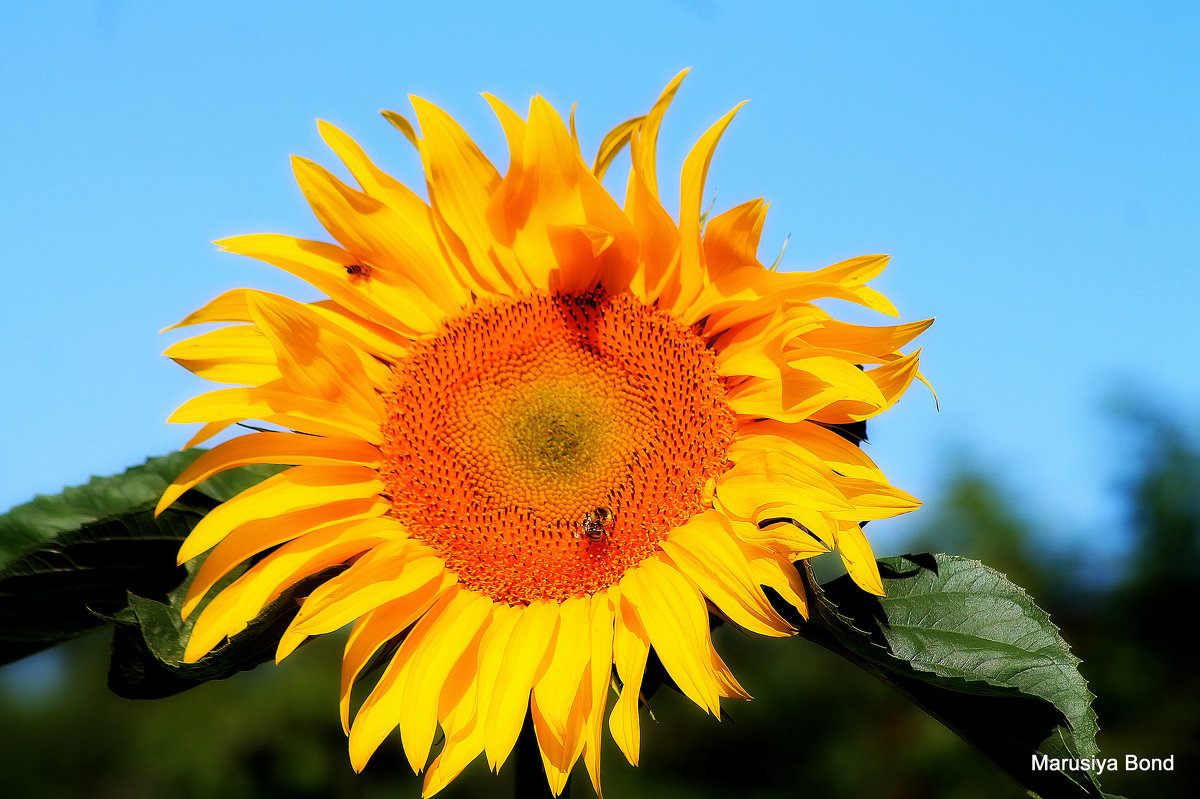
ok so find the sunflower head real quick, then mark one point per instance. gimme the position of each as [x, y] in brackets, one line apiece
[542, 432]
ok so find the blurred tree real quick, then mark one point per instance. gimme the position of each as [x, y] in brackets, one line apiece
[1140, 632]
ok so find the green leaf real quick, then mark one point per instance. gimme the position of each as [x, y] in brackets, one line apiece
[977, 653]
[68, 560]
[53, 592]
[40, 520]
[150, 639]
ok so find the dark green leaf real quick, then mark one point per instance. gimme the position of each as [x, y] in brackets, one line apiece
[40, 520]
[66, 558]
[53, 592]
[150, 639]
[977, 653]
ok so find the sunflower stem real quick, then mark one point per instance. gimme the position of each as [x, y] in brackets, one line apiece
[531, 781]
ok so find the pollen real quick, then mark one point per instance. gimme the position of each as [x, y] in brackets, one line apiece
[523, 422]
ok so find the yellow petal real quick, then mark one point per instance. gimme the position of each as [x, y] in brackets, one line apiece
[613, 142]
[459, 715]
[889, 382]
[281, 448]
[206, 432]
[784, 538]
[404, 231]
[528, 650]
[238, 354]
[759, 348]
[369, 338]
[860, 343]
[401, 123]
[228, 307]
[461, 182]
[631, 647]
[805, 389]
[514, 129]
[259, 535]
[377, 716]
[644, 142]
[492, 661]
[763, 476]
[272, 404]
[658, 242]
[777, 572]
[808, 441]
[859, 559]
[465, 699]
[382, 576]
[416, 708]
[731, 239]
[417, 255]
[555, 690]
[460, 747]
[298, 488]
[234, 607]
[372, 632]
[674, 616]
[844, 281]
[397, 268]
[547, 197]
[313, 359]
[558, 753]
[704, 549]
[325, 266]
[693, 273]
[751, 292]
[600, 651]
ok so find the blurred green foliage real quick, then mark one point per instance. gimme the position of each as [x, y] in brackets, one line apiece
[818, 727]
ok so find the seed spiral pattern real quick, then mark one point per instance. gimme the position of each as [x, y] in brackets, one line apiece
[508, 430]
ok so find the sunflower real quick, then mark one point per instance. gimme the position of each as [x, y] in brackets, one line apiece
[533, 436]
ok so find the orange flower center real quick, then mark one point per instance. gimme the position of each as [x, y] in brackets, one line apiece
[544, 445]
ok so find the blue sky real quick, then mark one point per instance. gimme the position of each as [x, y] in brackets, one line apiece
[1032, 168]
